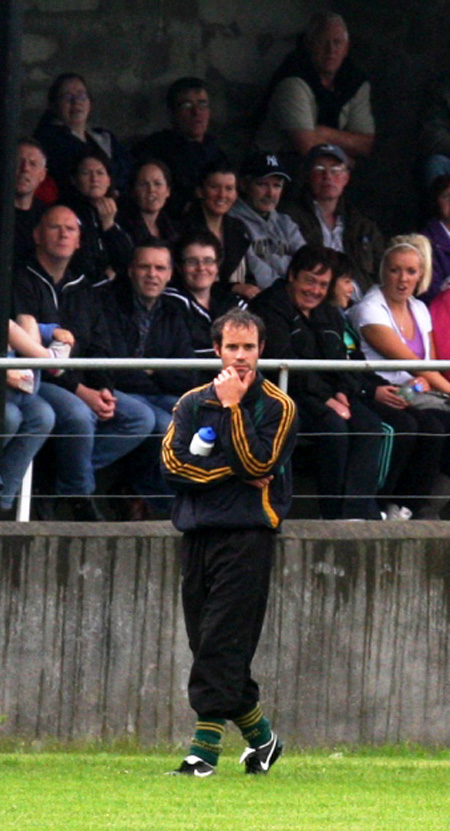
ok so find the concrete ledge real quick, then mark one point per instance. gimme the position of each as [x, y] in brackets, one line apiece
[354, 649]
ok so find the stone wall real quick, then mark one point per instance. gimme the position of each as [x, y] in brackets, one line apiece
[354, 647]
[130, 52]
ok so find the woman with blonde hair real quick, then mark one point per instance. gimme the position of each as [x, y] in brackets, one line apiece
[393, 324]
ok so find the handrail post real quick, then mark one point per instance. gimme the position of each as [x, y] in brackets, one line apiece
[283, 378]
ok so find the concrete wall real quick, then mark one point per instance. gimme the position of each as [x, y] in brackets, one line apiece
[130, 50]
[354, 649]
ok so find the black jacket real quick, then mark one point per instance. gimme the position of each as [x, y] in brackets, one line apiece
[168, 337]
[254, 439]
[198, 319]
[99, 249]
[74, 305]
[292, 335]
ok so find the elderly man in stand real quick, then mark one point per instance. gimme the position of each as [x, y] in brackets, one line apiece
[318, 95]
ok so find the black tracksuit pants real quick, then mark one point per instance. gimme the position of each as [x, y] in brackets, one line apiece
[226, 574]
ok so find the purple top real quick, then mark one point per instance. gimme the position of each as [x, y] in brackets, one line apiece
[440, 243]
[416, 342]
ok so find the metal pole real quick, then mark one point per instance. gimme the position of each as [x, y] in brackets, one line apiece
[11, 13]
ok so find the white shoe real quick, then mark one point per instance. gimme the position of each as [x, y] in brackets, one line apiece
[395, 512]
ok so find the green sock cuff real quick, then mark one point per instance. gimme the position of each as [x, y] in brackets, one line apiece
[206, 742]
[255, 727]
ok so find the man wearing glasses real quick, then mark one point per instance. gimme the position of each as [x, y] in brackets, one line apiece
[187, 147]
[326, 217]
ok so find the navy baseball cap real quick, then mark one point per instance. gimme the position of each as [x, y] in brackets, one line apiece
[261, 165]
[325, 150]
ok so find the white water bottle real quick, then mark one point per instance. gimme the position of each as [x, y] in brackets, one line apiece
[202, 442]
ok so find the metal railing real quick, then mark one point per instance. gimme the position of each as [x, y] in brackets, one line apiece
[282, 366]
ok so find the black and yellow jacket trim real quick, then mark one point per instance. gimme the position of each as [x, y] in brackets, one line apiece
[254, 439]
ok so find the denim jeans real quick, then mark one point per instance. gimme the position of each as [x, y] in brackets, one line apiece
[83, 443]
[28, 422]
[161, 405]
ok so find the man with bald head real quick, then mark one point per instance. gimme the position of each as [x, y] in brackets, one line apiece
[95, 424]
[31, 169]
[318, 95]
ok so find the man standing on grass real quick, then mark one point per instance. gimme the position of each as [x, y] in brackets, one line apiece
[229, 504]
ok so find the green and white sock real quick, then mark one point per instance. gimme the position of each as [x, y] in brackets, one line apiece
[255, 727]
[206, 743]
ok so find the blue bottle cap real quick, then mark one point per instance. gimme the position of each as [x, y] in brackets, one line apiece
[207, 434]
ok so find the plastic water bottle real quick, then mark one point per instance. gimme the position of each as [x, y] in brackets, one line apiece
[202, 442]
[409, 391]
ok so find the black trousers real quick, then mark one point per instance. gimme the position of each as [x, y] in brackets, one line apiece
[418, 452]
[347, 454]
[226, 576]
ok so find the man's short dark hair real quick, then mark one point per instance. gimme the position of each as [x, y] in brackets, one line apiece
[158, 245]
[309, 257]
[216, 167]
[204, 238]
[28, 141]
[240, 318]
[183, 85]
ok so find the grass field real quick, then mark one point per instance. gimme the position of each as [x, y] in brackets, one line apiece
[391, 789]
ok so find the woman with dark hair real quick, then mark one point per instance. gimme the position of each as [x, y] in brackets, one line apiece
[196, 289]
[65, 134]
[143, 213]
[216, 194]
[437, 230]
[105, 247]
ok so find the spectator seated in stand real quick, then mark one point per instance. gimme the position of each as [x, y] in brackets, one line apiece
[187, 147]
[143, 323]
[414, 459]
[65, 133]
[437, 230]
[28, 419]
[105, 247]
[143, 212]
[318, 95]
[31, 169]
[95, 424]
[393, 324]
[347, 434]
[197, 292]
[326, 216]
[216, 194]
[274, 236]
[440, 316]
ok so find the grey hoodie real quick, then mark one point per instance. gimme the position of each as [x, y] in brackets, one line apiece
[274, 242]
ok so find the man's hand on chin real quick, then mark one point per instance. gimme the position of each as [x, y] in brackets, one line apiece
[231, 385]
